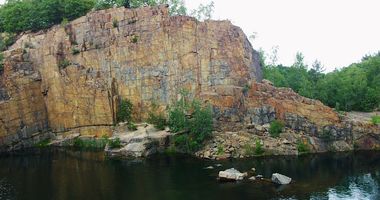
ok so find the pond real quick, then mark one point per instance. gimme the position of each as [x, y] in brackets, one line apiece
[62, 174]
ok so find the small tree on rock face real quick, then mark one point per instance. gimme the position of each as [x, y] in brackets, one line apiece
[193, 120]
[124, 113]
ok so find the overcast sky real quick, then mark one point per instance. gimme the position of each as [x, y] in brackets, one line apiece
[336, 32]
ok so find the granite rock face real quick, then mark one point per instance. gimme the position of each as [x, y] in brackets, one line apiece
[69, 79]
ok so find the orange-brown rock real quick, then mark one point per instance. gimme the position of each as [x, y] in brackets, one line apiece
[84, 67]
[69, 79]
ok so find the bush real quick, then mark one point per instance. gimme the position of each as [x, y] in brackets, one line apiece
[276, 128]
[258, 147]
[63, 63]
[375, 119]
[115, 23]
[158, 120]
[134, 39]
[220, 150]
[302, 147]
[75, 51]
[125, 111]
[131, 126]
[191, 119]
[114, 144]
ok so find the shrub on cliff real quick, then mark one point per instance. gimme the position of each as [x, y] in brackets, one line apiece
[276, 128]
[124, 114]
[192, 120]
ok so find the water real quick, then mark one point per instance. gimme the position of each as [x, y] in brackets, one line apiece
[54, 174]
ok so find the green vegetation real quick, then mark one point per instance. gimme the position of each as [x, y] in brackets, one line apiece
[375, 119]
[258, 147]
[157, 118]
[75, 51]
[192, 121]
[356, 87]
[115, 23]
[1, 61]
[302, 147]
[114, 144]
[43, 143]
[124, 113]
[257, 150]
[220, 150]
[90, 144]
[246, 88]
[6, 40]
[22, 15]
[276, 128]
[131, 126]
[134, 39]
[63, 63]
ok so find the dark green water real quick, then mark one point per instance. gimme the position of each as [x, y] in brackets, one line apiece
[53, 174]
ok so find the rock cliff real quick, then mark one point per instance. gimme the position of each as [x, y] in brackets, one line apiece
[70, 78]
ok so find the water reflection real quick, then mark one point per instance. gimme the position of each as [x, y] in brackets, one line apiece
[57, 174]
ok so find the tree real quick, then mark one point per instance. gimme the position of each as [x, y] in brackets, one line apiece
[204, 12]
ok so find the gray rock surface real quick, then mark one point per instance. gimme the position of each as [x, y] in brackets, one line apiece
[231, 174]
[280, 179]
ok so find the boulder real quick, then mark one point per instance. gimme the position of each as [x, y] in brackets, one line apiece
[231, 175]
[280, 179]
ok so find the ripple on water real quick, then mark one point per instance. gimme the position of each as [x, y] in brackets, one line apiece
[6, 190]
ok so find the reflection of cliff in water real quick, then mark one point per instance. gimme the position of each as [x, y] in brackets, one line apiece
[85, 175]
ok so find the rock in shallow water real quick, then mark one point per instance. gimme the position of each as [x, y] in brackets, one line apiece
[231, 174]
[280, 179]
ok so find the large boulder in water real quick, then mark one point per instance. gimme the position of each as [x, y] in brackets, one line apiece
[231, 175]
[280, 179]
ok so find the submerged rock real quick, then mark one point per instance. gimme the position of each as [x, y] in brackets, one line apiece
[231, 174]
[280, 179]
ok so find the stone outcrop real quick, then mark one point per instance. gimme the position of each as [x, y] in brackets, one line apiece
[69, 79]
[231, 175]
[145, 141]
[280, 179]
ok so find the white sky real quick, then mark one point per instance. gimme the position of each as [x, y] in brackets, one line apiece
[336, 32]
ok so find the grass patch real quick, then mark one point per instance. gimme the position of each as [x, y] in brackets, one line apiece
[90, 144]
[375, 120]
[302, 147]
[220, 150]
[43, 143]
[258, 147]
[276, 128]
